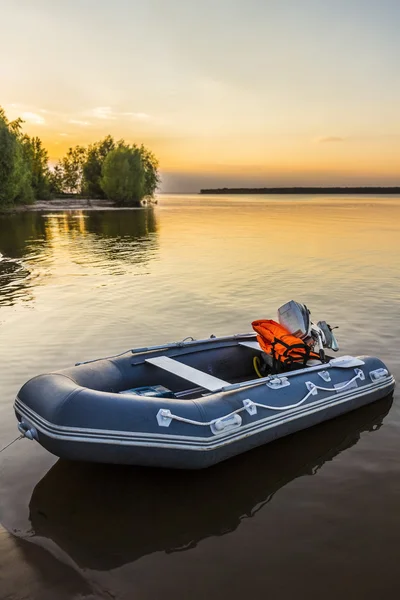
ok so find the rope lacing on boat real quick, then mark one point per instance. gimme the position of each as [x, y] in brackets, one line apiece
[164, 416]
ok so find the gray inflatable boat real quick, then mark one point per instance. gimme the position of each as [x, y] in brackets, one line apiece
[189, 404]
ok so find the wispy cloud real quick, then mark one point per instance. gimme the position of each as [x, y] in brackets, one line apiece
[138, 116]
[79, 122]
[34, 118]
[103, 112]
[330, 138]
[106, 113]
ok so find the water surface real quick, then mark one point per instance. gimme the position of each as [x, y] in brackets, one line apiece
[314, 514]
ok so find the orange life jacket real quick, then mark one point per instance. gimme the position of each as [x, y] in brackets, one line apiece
[278, 342]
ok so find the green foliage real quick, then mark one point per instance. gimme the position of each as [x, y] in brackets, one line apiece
[123, 179]
[130, 175]
[56, 181]
[15, 181]
[37, 160]
[123, 173]
[25, 193]
[8, 171]
[68, 173]
[151, 175]
[92, 168]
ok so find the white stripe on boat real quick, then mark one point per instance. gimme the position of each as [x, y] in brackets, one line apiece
[195, 443]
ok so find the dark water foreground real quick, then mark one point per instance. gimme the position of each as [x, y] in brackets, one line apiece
[312, 515]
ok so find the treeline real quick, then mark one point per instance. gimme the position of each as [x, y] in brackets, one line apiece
[124, 173]
[305, 190]
[24, 170]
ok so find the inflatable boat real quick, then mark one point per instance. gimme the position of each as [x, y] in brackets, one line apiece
[194, 403]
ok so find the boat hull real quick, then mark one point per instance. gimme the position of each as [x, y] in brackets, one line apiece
[76, 421]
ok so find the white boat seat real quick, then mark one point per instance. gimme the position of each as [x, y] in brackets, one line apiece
[204, 380]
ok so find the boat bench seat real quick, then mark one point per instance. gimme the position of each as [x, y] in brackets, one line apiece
[200, 378]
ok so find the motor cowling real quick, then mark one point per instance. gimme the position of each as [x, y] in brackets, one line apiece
[296, 318]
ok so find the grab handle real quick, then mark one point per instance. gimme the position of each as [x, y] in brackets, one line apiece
[28, 430]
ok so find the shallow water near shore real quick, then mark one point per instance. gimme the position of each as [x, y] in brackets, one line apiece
[312, 515]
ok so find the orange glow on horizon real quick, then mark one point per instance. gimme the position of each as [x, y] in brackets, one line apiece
[274, 93]
[302, 158]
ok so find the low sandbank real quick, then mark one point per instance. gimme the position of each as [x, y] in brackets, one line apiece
[71, 203]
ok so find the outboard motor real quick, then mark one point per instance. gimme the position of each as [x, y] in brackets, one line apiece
[295, 317]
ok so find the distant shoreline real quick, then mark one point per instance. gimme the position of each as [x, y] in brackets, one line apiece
[73, 203]
[304, 190]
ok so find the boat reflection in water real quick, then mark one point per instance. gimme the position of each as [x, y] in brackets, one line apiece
[104, 516]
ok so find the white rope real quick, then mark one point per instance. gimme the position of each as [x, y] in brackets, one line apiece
[169, 415]
[208, 423]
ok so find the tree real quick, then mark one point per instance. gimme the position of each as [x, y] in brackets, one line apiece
[151, 175]
[92, 168]
[56, 181]
[15, 184]
[13, 126]
[123, 178]
[130, 173]
[69, 171]
[37, 161]
[121, 172]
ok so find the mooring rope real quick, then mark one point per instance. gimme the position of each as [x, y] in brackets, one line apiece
[11, 443]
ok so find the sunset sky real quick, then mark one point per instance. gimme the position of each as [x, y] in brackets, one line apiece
[225, 92]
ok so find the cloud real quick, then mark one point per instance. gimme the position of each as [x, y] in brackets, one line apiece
[103, 112]
[34, 118]
[139, 116]
[106, 113]
[80, 123]
[330, 138]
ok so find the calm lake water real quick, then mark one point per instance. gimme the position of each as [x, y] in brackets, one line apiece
[310, 516]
